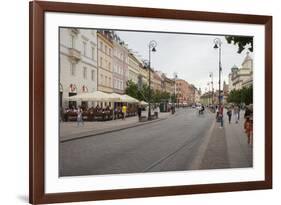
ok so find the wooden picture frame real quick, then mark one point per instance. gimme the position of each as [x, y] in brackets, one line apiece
[37, 10]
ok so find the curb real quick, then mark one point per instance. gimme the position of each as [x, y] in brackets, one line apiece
[109, 130]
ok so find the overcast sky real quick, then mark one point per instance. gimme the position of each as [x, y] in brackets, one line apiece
[192, 57]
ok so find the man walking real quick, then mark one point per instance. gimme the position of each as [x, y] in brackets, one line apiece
[124, 111]
[139, 111]
[229, 114]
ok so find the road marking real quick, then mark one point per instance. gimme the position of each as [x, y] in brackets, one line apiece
[189, 142]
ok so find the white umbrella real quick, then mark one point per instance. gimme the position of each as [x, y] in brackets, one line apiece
[93, 96]
[129, 99]
[143, 103]
[117, 97]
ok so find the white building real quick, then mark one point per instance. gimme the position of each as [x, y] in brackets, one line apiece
[241, 77]
[78, 63]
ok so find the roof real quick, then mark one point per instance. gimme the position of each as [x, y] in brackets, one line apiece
[234, 67]
[247, 58]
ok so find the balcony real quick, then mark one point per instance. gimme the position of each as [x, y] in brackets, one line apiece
[74, 54]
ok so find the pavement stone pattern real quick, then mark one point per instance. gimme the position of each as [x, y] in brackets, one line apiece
[216, 155]
[239, 151]
[228, 147]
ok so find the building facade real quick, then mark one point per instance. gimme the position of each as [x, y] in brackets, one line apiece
[105, 53]
[143, 75]
[134, 68]
[120, 65]
[241, 77]
[78, 64]
[168, 84]
[182, 91]
[156, 81]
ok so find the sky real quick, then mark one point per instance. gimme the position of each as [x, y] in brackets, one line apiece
[191, 56]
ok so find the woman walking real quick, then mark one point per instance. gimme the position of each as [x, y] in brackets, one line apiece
[229, 114]
[236, 113]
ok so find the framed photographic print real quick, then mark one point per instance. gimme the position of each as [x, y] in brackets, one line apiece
[138, 102]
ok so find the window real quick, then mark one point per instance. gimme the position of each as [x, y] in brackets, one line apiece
[84, 48]
[72, 69]
[101, 46]
[93, 53]
[101, 79]
[109, 65]
[109, 82]
[114, 83]
[109, 50]
[121, 85]
[93, 75]
[101, 61]
[105, 49]
[105, 80]
[85, 73]
[72, 41]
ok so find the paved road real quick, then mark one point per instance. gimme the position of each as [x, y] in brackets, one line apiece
[167, 145]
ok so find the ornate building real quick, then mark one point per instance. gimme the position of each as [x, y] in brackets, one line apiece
[78, 63]
[241, 77]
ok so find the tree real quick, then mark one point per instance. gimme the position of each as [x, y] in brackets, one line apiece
[244, 95]
[242, 42]
[142, 93]
[132, 89]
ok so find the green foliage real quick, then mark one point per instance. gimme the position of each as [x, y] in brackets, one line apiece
[142, 93]
[244, 95]
[132, 89]
[242, 42]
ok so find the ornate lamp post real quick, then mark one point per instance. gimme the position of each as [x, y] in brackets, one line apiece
[217, 45]
[212, 82]
[152, 47]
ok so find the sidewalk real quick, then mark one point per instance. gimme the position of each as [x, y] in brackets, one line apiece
[228, 147]
[70, 130]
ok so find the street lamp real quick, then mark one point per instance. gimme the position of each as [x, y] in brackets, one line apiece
[217, 45]
[151, 47]
[175, 92]
[212, 82]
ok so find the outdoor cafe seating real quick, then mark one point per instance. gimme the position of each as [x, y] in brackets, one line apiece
[101, 114]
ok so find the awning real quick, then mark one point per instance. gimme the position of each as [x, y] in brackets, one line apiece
[93, 96]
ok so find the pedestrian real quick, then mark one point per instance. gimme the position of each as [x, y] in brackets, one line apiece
[157, 111]
[139, 111]
[239, 109]
[221, 115]
[124, 111]
[248, 124]
[217, 113]
[236, 113]
[229, 114]
[80, 116]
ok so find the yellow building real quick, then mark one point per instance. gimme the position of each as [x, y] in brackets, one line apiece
[143, 74]
[105, 52]
[134, 68]
[156, 81]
